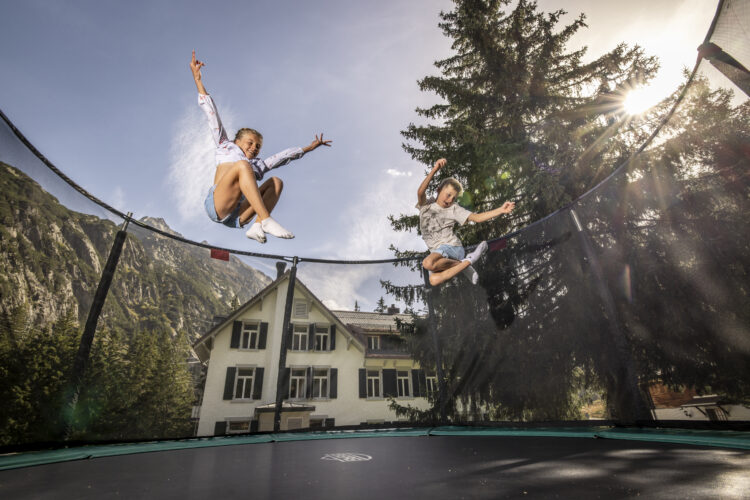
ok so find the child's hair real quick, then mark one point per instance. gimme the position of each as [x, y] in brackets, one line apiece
[244, 131]
[453, 182]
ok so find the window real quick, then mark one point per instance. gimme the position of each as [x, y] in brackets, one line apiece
[432, 385]
[320, 383]
[373, 342]
[317, 422]
[243, 387]
[402, 381]
[321, 338]
[373, 384]
[297, 387]
[235, 426]
[249, 336]
[299, 340]
[300, 309]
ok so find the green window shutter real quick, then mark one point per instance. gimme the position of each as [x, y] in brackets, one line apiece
[258, 383]
[311, 337]
[332, 341]
[236, 331]
[289, 336]
[220, 428]
[286, 376]
[263, 335]
[416, 387]
[389, 383]
[362, 383]
[309, 383]
[229, 382]
[333, 388]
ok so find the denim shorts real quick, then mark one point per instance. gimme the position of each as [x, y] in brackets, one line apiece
[231, 220]
[451, 252]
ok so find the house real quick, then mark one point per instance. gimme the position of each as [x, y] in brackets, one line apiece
[687, 404]
[341, 366]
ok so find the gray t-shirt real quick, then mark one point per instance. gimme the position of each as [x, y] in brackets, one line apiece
[436, 223]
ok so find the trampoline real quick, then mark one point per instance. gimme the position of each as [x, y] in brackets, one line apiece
[405, 463]
[621, 316]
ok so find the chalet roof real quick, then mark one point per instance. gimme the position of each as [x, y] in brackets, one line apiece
[373, 321]
[710, 400]
[268, 289]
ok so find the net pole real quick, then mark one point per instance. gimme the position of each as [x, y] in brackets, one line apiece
[281, 381]
[629, 400]
[87, 337]
[429, 290]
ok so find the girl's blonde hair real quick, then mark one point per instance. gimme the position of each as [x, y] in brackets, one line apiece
[244, 131]
[453, 182]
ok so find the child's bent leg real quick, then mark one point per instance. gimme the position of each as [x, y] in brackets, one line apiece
[442, 268]
[241, 175]
[238, 179]
[270, 191]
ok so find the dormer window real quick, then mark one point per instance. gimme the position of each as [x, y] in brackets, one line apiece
[373, 342]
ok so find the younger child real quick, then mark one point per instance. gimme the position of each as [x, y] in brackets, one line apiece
[235, 196]
[436, 220]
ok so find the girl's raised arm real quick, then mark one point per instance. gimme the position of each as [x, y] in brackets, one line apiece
[195, 67]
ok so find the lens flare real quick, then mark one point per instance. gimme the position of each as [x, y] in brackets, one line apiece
[641, 99]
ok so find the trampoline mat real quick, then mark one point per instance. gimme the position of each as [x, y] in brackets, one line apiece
[400, 467]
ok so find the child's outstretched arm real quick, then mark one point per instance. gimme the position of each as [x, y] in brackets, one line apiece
[195, 67]
[422, 191]
[506, 208]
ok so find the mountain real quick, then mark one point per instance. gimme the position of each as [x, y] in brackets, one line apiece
[51, 259]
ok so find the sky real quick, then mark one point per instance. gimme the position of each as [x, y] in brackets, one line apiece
[103, 89]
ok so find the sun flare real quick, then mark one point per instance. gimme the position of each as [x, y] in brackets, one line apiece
[641, 99]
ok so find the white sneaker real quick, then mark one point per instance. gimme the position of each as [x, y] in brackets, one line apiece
[273, 228]
[471, 275]
[474, 256]
[256, 232]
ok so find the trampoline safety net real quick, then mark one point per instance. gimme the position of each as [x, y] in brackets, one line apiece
[624, 299]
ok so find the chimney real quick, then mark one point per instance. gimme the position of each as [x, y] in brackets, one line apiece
[280, 266]
[393, 309]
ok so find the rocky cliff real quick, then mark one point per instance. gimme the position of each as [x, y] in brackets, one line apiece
[51, 259]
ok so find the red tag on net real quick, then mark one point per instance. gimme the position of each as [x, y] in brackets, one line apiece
[219, 254]
[498, 244]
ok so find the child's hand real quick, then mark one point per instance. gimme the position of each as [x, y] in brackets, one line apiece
[195, 67]
[507, 207]
[439, 164]
[317, 142]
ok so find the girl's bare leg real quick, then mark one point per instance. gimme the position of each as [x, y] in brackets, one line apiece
[270, 191]
[235, 179]
[238, 178]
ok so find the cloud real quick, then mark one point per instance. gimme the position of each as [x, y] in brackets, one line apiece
[191, 162]
[368, 237]
[397, 173]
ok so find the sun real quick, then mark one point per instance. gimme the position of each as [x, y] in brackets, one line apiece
[638, 100]
[641, 99]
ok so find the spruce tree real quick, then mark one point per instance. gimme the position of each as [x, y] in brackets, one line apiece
[522, 118]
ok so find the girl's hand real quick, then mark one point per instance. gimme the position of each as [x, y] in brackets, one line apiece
[195, 67]
[439, 164]
[317, 142]
[507, 207]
